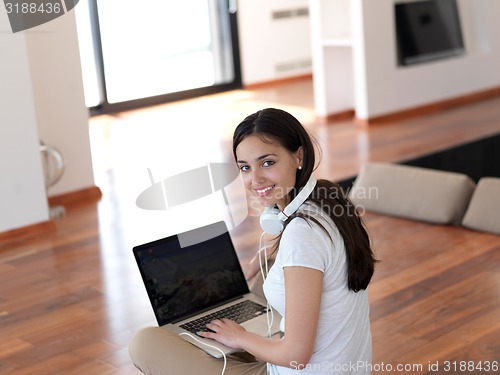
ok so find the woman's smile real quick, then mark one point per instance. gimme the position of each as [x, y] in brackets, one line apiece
[264, 191]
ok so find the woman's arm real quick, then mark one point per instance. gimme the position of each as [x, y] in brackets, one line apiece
[258, 260]
[303, 289]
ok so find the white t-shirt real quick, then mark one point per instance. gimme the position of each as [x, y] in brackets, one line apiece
[343, 342]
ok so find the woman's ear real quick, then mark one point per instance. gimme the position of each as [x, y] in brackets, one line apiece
[299, 154]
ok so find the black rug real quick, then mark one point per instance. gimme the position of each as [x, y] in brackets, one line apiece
[480, 158]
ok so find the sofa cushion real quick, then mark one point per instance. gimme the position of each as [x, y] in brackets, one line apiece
[483, 213]
[412, 192]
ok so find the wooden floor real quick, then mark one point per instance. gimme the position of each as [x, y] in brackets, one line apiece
[71, 300]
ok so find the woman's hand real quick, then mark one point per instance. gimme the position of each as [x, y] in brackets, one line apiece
[225, 331]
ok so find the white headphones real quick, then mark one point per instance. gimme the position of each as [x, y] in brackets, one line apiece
[272, 219]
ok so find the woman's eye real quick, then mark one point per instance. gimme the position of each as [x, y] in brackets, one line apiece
[244, 168]
[268, 163]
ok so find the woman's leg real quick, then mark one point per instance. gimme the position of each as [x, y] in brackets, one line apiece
[157, 351]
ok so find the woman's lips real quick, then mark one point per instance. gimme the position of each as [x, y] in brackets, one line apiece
[262, 192]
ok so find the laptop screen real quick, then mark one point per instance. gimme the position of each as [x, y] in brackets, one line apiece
[184, 279]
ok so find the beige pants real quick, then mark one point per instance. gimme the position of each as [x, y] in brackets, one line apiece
[157, 351]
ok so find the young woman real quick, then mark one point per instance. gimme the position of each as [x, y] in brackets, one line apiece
[318, 282]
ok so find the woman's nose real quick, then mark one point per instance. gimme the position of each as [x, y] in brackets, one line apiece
[257, 177]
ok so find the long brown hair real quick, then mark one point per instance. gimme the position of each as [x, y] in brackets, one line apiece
[283, 128]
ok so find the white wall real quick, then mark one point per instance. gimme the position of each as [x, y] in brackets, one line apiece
[272, 48]
[41, 97]
[22, 190]
[388, 88]
[61, 114]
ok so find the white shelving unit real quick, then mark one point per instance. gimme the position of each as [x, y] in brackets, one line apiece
[337, 42]
[354, 56]
[332, 56]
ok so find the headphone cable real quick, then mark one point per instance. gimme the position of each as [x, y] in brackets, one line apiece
[210, 346]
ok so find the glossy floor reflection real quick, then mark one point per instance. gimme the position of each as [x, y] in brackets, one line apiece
[71, 300]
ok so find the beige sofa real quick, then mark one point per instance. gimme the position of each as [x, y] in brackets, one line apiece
[428, 195]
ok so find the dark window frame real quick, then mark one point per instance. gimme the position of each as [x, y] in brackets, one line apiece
[107, 108]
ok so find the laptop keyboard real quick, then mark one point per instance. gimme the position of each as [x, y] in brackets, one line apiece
[240, 312]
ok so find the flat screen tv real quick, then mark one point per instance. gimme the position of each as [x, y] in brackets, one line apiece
[427, 30]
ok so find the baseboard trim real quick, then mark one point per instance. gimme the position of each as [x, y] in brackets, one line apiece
[346, 115]
[28, 231]
[435, 107]
[68, 200]
[76, 198]
[278, 81]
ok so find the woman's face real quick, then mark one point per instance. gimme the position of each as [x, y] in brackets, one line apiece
[268, 169]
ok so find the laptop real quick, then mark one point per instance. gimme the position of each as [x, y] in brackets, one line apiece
[192, 276]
